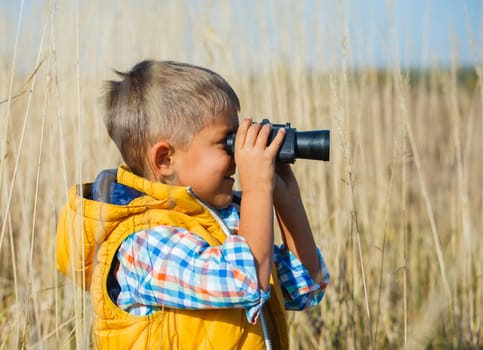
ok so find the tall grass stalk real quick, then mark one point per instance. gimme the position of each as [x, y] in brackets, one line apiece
[396, 212]
[3, 152]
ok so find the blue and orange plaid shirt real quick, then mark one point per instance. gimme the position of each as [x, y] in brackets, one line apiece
[170, 267]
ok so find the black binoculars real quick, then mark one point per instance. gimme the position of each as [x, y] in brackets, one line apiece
[314, 144]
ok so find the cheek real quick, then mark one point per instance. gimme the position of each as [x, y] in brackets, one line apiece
[222, 163]
[212, 167]
[205, 169]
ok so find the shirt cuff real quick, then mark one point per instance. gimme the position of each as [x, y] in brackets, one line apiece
[254, 311]
[237, 252]
[299, 288]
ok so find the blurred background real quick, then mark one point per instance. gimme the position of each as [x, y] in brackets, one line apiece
[397, 211]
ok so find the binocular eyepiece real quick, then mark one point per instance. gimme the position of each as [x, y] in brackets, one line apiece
[314, 144]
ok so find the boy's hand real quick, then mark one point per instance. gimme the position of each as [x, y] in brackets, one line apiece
[286, 185]
[254, 158]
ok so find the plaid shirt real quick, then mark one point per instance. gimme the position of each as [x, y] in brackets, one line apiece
[171, 267]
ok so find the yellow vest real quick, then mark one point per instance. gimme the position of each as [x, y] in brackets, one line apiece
[88, 228]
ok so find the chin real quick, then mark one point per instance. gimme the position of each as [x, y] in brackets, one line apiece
[224, 202]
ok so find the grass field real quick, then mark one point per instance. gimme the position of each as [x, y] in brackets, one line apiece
[398, 211]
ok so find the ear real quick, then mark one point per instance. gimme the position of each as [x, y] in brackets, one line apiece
[161, 160]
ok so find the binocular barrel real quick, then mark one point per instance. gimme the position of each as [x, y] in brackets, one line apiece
[314, 144]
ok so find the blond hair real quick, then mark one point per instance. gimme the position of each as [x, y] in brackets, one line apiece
[163, 99]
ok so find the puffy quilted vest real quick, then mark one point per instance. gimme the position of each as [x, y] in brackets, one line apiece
[89, 234]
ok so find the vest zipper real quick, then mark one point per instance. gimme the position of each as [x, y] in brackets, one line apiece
[266, 334]
[213, 213]
[228, 232]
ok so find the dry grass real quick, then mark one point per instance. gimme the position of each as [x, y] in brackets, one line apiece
[397, 211]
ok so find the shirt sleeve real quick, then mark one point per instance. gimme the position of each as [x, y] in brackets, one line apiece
[169, 266]
[299, 289]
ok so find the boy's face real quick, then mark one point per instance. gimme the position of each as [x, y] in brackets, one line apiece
[205, 166]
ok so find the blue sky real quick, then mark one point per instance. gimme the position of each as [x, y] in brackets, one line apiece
[425, 31]
[418, 33]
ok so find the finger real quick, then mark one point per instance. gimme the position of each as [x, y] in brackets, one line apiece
[252, 134]
[263, 135]
[242, 132]
[277, 141]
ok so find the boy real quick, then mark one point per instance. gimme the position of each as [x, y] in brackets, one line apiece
[182, 262]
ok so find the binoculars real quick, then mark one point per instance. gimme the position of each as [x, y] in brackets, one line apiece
[314, 144]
